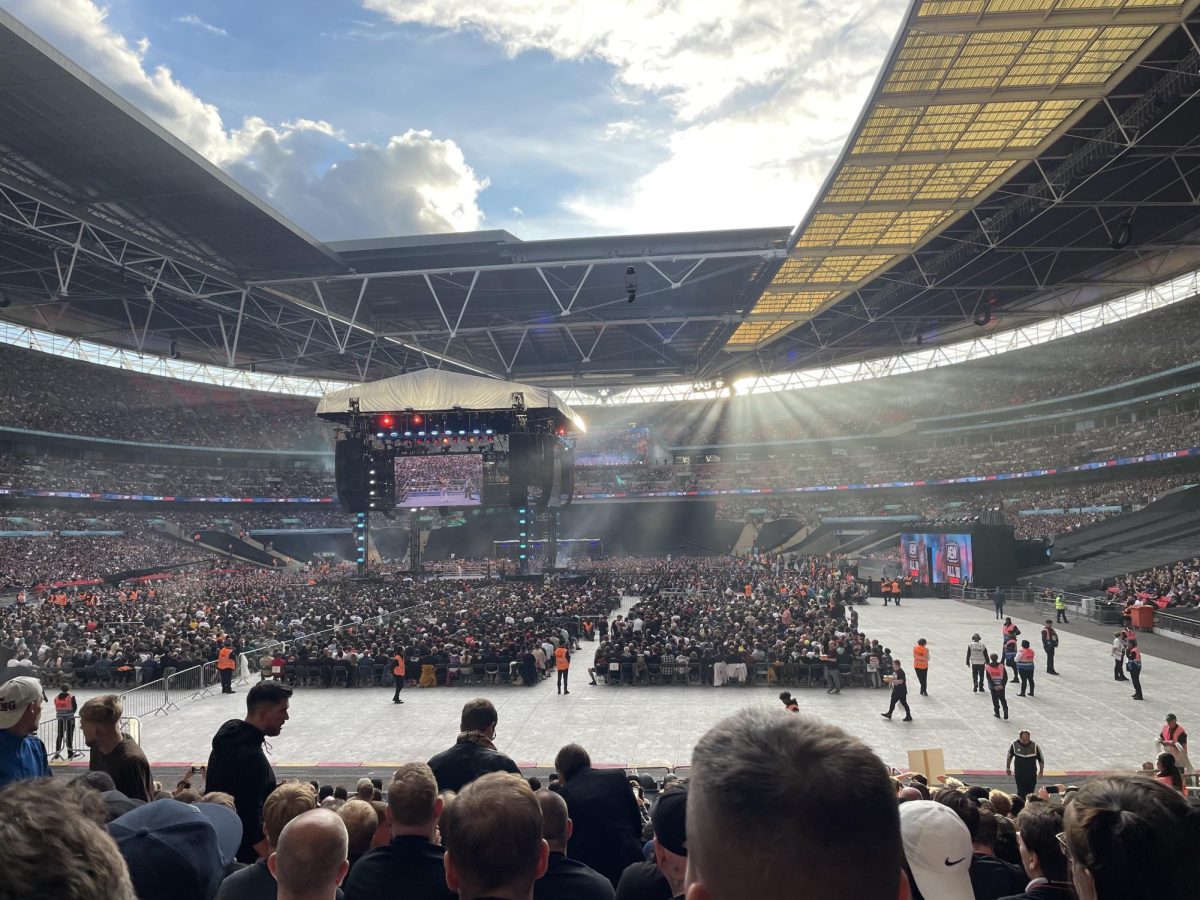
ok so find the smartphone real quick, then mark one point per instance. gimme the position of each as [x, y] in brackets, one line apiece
[1052, 789]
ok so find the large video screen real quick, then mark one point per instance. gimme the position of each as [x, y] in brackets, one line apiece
[439, 479]
[937, 558]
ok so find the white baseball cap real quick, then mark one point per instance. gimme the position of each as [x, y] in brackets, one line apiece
[937, 847]
[15, 696]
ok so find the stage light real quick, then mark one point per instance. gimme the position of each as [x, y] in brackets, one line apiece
[489, 431]
[417, 420]
[379, 434]
[631, 283]
[386, 421]
[408, 434]
[434, 433]
[476, 431]
[421, 433]
[395, 434]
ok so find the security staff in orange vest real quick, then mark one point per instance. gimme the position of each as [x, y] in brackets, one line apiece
[225, 666]
[562, 663]
[997, 678]
[398, 674]
[921, 665]
[65, 707]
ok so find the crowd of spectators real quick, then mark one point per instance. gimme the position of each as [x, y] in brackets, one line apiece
[51, 473]
[1176, 585]
[309, 619]
[719, 623]
[1069, 366]
[64, 396]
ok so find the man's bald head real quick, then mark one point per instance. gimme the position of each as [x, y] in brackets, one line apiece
[556, 825]
[310, 860]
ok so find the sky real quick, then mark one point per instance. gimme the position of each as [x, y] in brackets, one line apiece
[551, 119]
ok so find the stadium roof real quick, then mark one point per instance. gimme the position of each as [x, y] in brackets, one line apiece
[1005, 148]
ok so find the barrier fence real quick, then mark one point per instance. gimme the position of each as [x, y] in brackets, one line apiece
[72, 736]
[1098, 609]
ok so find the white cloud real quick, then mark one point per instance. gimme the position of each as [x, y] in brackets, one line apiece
[197, 22]
[309, 170]
[762, 93]
[517, 211]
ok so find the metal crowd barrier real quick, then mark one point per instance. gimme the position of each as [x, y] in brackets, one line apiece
[48, 733]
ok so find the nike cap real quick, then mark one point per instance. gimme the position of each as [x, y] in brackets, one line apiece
[937, 847]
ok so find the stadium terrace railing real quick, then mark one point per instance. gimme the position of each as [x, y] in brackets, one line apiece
[1181, 625]
[1084, 606]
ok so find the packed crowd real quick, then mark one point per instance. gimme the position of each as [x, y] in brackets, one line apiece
[1073, 365]
[340, 628]
[1167, 586]
[50, 473]
[720, 623]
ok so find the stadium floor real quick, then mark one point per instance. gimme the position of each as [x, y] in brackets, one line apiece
[1084, 721]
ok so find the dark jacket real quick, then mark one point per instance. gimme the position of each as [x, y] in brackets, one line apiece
[465, 761]
[238, 766]
[643, 881]
[1054, 890]
[992, 878]
[569, 879]
[408, 868]
[607, 825]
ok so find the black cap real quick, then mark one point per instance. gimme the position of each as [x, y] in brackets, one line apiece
[670, 821]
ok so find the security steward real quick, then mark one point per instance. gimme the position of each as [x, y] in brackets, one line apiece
[65, 708]
[921, 665]
[225, 666]
[997, 678]
[397, 675]
[562, 664]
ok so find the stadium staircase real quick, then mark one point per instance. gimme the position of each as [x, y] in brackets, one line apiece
[228, 545]
[1161, 533]
[747, 539]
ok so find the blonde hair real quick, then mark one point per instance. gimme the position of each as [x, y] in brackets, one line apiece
[285, 803]
[220, 798]
[361, 821]
[103, 710]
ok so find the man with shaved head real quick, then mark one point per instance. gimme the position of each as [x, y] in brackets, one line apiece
[782, 800]
[565, 878]
[310, 861]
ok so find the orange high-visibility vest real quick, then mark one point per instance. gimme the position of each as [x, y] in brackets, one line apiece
[398, 669]
[920, 657]
[225, 659]
[561, 663]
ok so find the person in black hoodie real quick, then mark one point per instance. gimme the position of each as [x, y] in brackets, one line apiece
[473, 753]
[238, 765]
[607, 832]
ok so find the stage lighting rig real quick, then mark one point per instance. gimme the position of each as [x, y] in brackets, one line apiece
[631, 283]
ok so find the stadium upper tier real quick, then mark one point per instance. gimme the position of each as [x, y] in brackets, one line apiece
[46, 393]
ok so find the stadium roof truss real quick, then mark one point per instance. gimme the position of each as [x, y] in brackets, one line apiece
[1003, 149]
[986, 113]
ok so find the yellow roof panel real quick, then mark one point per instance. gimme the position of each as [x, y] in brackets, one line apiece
[829, 269]
[933, 8]
[869, 229]
[925, 181]
[1044, 57]
[1004, 127]
[749, 333]
[792, 302]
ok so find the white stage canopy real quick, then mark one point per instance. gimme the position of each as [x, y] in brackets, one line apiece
[432, 389]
